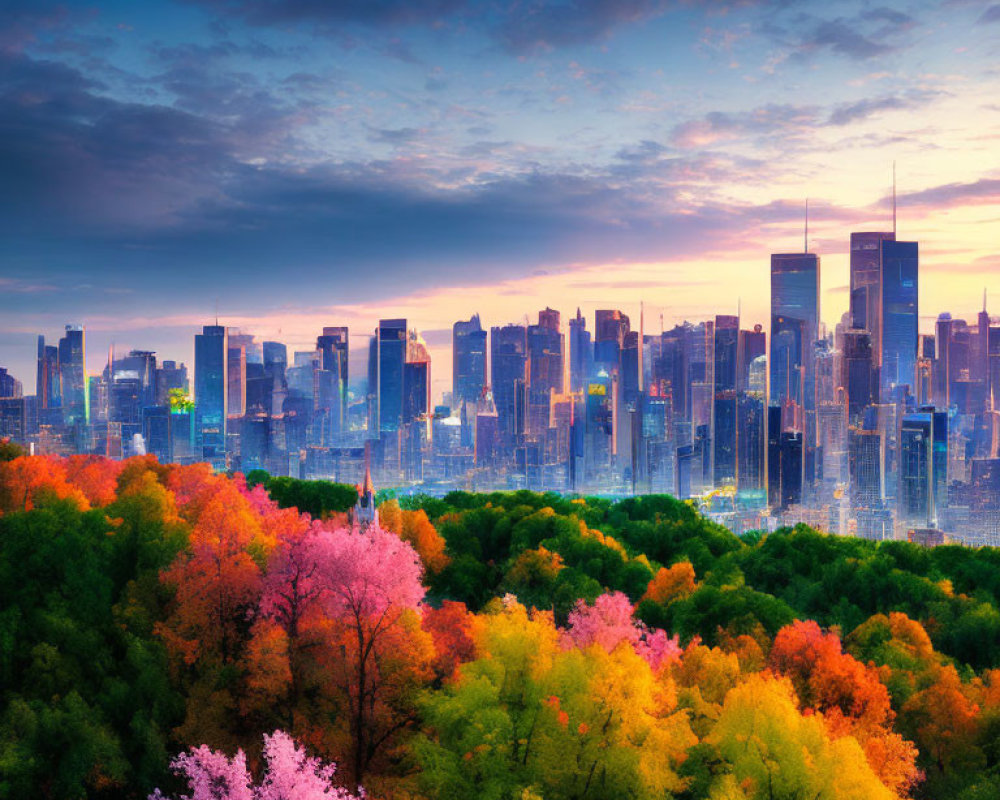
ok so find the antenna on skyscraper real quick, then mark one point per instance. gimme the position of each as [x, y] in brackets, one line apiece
[984, 299]
[642, 338]
[805, 237]
[894, 199]
[216, 312]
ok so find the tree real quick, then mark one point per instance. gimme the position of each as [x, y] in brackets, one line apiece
[290, 774]
[671, 583]
[453, 630]
[529, 718]
[415, 527]
[29, 481]
[10, 450]
[849, 695]
[769, 750]
[217, 581]
[371, 592]
[608, 623]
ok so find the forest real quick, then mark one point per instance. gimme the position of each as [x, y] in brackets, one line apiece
[171, 633]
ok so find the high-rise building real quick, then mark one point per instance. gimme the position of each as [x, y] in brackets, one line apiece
[386, 360]
[73, 375]
[725, 405]
[468, 369]
[47, 385]
[896, 344]
[508, 367]
[866, 281]
[211, 388]
[331, 379]
[9, 385]
[923, 464]
[859, 376]
[416, 379]
[545, 369]
[751, 444]
[609, 337]
[795, 313]
[581, 353]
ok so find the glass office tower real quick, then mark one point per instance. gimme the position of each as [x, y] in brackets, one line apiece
[795, 309]
[387, 357]
[897, 356]
[211, 385]
[468, 370]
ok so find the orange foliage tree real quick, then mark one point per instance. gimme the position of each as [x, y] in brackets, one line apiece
[849, 695]
[671, 583]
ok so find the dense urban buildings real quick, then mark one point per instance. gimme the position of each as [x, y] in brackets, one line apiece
[871, 429]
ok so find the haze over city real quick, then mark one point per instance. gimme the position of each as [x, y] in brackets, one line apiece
[297, 165]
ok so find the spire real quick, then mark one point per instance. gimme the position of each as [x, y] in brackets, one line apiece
[805, 238]
[642, 339]
[368, 487]
[984, 299]
[894, 199]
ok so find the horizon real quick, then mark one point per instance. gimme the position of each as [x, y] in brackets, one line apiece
[302, 165]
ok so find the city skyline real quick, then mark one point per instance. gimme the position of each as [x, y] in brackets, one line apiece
[311, 168]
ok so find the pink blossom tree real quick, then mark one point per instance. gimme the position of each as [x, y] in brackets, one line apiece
[290, 774]
[344, 596]
[608, 623]
[370, 580]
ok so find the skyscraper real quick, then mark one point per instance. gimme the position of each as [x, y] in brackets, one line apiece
[211, 388]
[896, 344]
[508, 367]
[581, 353]
[545, 368]
[795, 312]
[73, 375]
[724, 402]
[416, 379]
[387, 357]
[468, 369]
[332, 378]
[47, 388]
[866, 281]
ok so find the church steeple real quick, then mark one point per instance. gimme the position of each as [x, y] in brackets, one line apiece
[365, 514]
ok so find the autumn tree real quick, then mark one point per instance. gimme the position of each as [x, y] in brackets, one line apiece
[290, 774]
[671, 583]
[849, 695]
[765, 748]
[29, 481]
[453, 630]
[532, 718]
[608, 623]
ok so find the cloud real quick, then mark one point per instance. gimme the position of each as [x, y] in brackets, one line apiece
[990, 15]
[846, 113]
[519, 27]
[770, 120]
[982, 192]
[393, 136]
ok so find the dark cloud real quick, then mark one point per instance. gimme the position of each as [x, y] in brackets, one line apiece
[869, 34]
[990, 15]
[845, 39]
[372, 12]
[982, 192]
[770, 120]
[520, 26]
[847, 113]
[394, 136]
[545, 24]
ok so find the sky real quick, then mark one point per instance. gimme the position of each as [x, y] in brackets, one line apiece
[299, 163]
